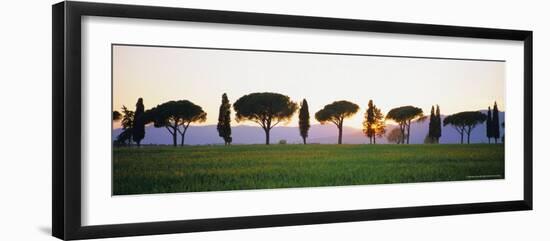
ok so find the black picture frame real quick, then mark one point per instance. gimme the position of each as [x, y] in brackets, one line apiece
[66, 127]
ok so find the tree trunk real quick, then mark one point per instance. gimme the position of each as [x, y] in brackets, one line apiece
[408, 131]
[340, 132]
[468, 138]
[496, 140]
[461, 137]
[339, 135]
[266, 136]
[374, 139]
[175, 138]
[138, 143]
[304, 140]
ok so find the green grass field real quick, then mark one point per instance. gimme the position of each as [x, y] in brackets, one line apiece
[215, 168]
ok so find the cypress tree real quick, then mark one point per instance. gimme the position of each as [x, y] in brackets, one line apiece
[139, 123]
[496, 123]
[304, 120]
[489, 124]
[224, 120]
[432, 126]
[437, 132]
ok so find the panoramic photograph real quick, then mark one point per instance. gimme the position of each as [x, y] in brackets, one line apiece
[189, 119]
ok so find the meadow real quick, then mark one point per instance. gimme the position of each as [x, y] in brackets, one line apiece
[149, 170]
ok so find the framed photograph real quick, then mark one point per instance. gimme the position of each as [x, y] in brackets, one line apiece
[169, 120]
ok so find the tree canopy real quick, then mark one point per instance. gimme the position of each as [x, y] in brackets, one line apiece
[404, 113]
[116, 115]
[336, 112]
[175, 114]
[465, 122]
[266, 109]
[403, 116]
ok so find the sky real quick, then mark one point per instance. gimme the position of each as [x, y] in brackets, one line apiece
[161, 74]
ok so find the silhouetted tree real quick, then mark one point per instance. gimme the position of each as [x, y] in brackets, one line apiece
[116, 116]
[437, 130]
[139, 123]
[404, 115]
[496, 123]
[127, 122]
[127, 118]
[465, 122]
[368, 121]
[174, 114]
[434, 127]
[304, 120]
[394, 136]
[336, 112]
[489, 124]
[373, 123]
[430, 138]
[266, 109]
[224, 120]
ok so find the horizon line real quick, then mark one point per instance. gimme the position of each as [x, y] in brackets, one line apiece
[257, 126]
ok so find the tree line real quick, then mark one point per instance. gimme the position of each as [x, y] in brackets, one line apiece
[270, 109]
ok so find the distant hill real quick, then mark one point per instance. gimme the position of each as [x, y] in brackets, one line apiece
[323, 134]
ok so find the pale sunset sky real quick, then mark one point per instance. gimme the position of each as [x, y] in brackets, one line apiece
[160, 74]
